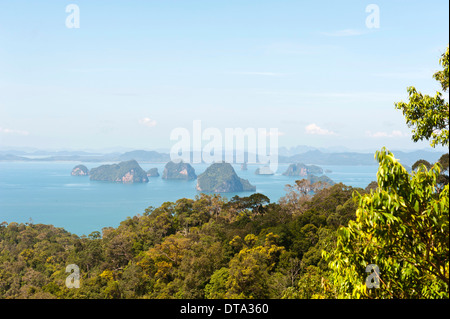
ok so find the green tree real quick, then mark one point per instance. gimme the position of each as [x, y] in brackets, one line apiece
[427, 115]
[443, 160]
[217, 286]
[403, 227]
[443, 178]
[250, 269]
[312, 285]
[420, 162]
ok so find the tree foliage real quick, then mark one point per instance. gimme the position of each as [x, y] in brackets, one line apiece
[402, 224]
[316, 242]
[429, 115]
[403, 228]
[207, 247]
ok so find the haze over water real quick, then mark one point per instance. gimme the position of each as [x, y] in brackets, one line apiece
[45, 192]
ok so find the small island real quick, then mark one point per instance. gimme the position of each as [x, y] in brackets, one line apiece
[221, 178]
[324, 179]
[153, 172]
[124, 172]
[179, 171]
[301, 169]
[80, 170]
[265, 170]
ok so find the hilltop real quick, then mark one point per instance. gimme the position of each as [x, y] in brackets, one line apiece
[221, 178]
[125, 172]
[179, 171]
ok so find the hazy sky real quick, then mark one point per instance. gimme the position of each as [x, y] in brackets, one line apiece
[135, 70]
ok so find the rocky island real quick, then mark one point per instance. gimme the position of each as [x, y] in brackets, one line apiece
[265, 170]
[153, 172]
[124, 172]
[325, 179]
[221, 178]
[301, 169]
[80, 170]
[179, 171]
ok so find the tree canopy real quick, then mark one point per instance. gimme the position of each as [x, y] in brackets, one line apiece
[207, 247]
[402, 227]
[429, 115]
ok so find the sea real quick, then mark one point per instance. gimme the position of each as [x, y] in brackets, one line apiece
[47, 193]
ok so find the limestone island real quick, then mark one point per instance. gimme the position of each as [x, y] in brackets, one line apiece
[179, 171]
[80, 170]
[264, 171]
[325, 179]
[153, 172]
[221, 178]
[124, 172]
[301, 169]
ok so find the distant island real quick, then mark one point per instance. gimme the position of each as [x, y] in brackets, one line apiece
[265, 170]
[153, 172]
[325, 179]
[179, 171]
[301, 169]
[310, 156]
[124, 172]
[221, 178]
[80, 170]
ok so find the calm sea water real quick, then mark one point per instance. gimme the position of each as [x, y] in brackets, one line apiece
[45, 192]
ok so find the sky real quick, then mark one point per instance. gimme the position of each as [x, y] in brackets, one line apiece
[323, 73]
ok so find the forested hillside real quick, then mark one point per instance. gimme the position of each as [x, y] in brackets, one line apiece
[209, 247]
[316, 242]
